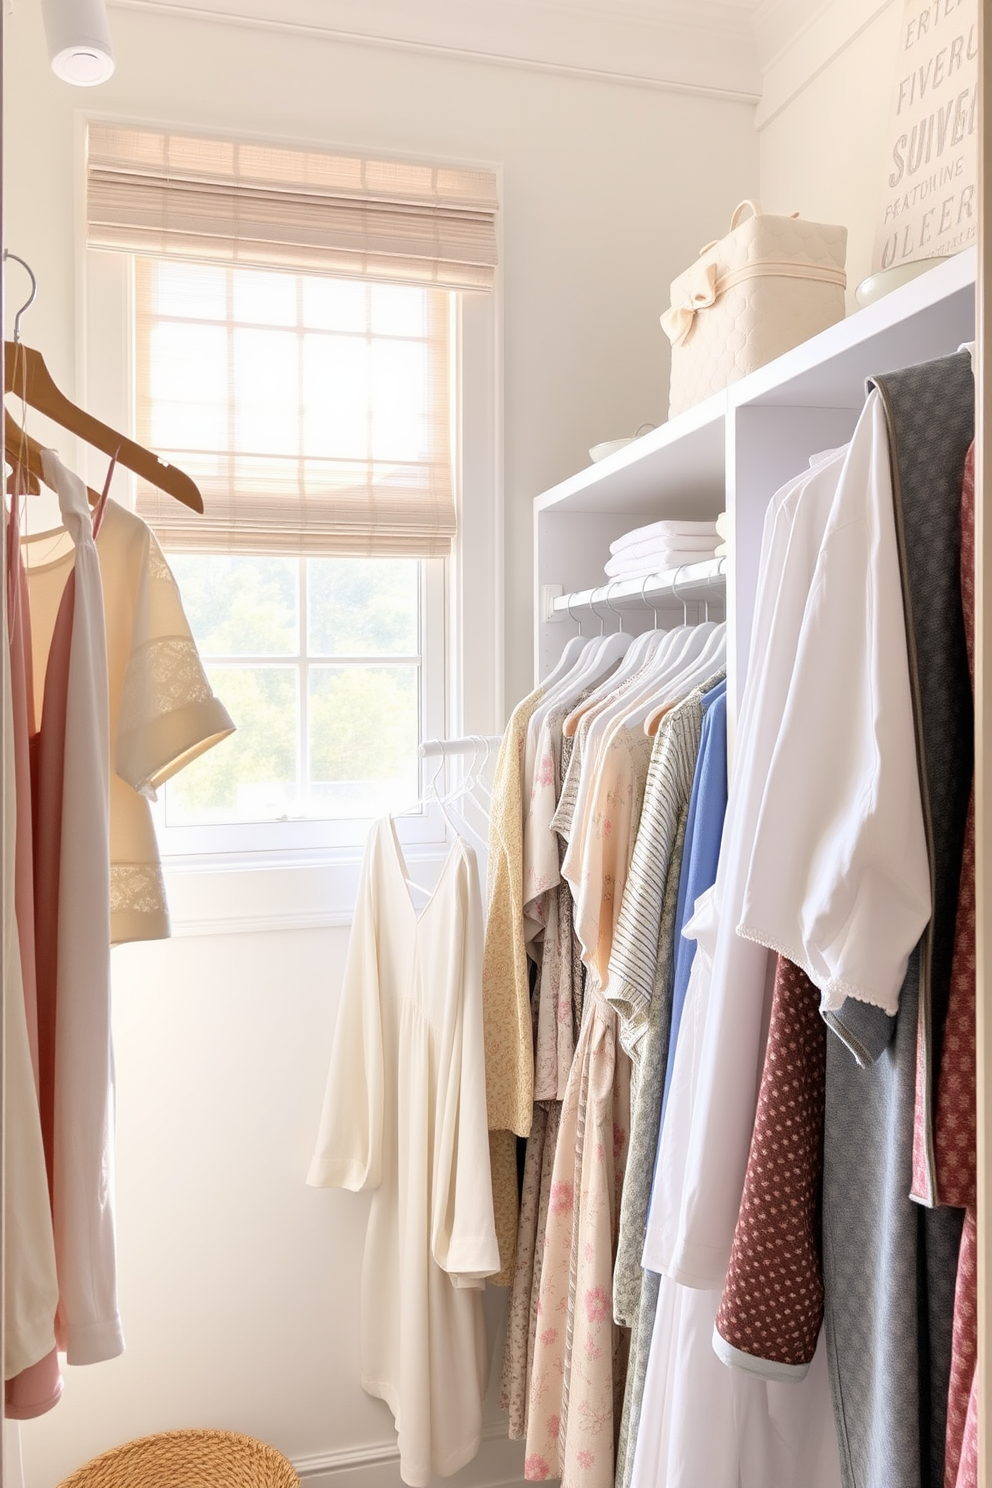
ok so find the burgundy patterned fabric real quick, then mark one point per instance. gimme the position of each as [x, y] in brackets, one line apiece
[955, 1115]
[772, 1303]
[961, 1459]
[954, 1121]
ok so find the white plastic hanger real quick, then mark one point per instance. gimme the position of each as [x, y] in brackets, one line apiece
[429, 797]
[574, 647]
[600, 659]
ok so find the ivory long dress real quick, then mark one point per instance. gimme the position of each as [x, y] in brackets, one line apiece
[405, 1115]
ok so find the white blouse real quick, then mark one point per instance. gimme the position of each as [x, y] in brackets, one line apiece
[839, 879]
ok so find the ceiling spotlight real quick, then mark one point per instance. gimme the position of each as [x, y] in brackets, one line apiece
[79, 41]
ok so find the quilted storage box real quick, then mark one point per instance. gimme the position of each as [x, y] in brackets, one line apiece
[771, 283]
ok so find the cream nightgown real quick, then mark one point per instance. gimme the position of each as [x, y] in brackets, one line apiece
[163, 713]
[405, 1115]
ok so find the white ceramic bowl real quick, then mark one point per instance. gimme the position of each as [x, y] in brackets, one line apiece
[886, 280]
[610, 447]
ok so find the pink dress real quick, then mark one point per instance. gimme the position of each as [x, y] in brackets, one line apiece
[579, 1368]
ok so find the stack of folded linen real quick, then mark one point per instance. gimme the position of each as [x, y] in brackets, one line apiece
[660, 546]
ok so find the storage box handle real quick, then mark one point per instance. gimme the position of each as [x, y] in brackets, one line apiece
[743, 210]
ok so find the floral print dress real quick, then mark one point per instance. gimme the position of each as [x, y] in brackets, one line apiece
[579, 1360]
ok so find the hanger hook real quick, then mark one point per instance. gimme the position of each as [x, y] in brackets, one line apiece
[678, 596]
[432, 788]
[31, 297]
[609, 605]
[592, 606]
[568, 607]
[479, 741]
[644, 599]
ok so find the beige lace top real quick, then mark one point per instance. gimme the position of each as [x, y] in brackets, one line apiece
[163, 713]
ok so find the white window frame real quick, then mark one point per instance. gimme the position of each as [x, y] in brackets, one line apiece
[316, 875]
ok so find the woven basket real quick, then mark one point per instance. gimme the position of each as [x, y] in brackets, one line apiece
[187, 1459]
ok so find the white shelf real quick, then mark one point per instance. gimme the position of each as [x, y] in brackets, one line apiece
[927, 318]
[682, 460]
[668, 588]
[681, 466]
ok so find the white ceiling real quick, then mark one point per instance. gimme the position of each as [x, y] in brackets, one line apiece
[711, 46]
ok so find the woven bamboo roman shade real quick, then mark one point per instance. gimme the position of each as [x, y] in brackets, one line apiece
[293, 344]
[313, 413]
[227, 201]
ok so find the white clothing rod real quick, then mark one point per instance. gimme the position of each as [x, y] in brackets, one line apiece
[692, 581]
[472, 744]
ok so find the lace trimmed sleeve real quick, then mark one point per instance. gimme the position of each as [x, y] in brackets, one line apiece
[169, 714]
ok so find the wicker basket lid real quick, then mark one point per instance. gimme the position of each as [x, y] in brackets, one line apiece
[187, 1459]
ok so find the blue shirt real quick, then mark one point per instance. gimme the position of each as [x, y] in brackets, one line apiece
[703, 831]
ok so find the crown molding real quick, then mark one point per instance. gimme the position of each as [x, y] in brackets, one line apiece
[631, 42]
[796, 40]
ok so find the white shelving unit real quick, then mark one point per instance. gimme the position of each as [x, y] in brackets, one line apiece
[733, 452]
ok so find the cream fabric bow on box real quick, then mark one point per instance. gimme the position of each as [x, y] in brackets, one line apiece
[678, 321]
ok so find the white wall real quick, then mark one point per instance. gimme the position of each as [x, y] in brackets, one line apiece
[821, 152]
[238, 1284]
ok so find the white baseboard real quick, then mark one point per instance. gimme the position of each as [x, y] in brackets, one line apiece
[499, 1464]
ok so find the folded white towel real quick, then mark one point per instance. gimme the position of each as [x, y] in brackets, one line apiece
[655, 531]
[703, 542]
[621, 566]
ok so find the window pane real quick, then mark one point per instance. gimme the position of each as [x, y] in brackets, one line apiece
[334, 305]
[264, 299]
[399, 401]
[398, 310]
[252, 776]
[336, 397]
[364, 727]
[190, 291]
[240, 606]
[363, 606]
[188, 363]
[265, 388]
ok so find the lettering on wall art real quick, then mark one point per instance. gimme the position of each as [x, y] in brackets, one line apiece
[929, 204]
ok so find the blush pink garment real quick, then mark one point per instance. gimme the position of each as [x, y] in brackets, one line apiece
[38, 1388]
[72, 917]
[961, 1452]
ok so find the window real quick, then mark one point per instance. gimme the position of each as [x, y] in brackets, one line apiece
[315, 338]
[271, 389]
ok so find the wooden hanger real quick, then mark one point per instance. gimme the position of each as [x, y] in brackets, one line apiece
[21, 450]
[27, 377]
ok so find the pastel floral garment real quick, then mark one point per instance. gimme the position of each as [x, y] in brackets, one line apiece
[598, 858]
[580, 1354]
[521, 1324]
[557, 1018]
[561, 976]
